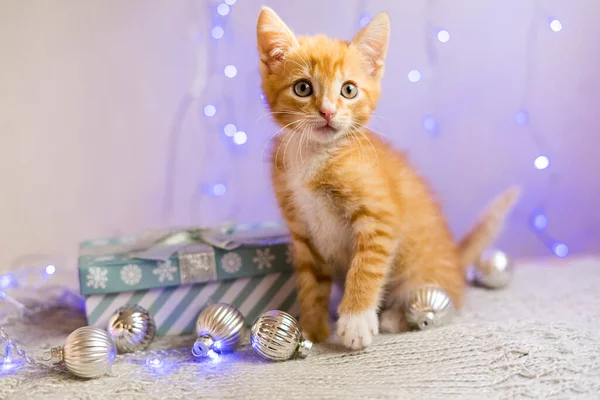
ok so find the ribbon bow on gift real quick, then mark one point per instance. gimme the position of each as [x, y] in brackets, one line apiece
[162, 244]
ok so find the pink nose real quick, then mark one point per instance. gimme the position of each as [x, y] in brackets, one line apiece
[327, 113]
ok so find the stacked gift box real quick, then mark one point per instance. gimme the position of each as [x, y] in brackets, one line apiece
[175, 273]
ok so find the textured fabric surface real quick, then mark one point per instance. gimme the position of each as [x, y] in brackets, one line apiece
[539, 338]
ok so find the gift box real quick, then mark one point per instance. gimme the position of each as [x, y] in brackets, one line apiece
[175, 273]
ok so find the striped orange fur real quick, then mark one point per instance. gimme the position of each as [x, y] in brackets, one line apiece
[357, 211]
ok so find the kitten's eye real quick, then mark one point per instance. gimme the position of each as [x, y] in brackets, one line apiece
[349, 90]
[302, 89]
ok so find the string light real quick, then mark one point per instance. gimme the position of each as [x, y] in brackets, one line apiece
[414, 75]
[210, 110]
[213, 355]
[443, 36]
[240, 138]
[155, 362]
[230, 71]
[25, 278]
[521, 117]
[8, 364]
[50, 269]
[7, 281]
[199, 89]
[223, 9]
[430, 124]
[560, 249]
[540, 221]
[217, 32]
[219, 189]
[230, 130]
[541, 162]
[556, 25]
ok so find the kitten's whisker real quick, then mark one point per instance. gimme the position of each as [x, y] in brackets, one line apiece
[304, 130]
[303, 69]
[271, 138]
[303, 110]
[363, 150]
[291, 135]
[287, 139]
[305, 63]
[352, 136]
[371, 143]
[348, 132]
[362, 133]
[358, 124]
[280, 112]
[370, 115]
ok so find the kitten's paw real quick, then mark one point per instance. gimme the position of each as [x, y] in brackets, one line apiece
[392, 321]
[357, 331]
[315, 329]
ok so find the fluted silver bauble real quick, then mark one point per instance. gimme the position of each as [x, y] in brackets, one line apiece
[493, 269]
[132, 328]
[428, 307]
[276, 336]
[219, 328]
[88, 352]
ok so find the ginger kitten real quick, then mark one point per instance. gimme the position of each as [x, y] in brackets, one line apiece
[355, 208]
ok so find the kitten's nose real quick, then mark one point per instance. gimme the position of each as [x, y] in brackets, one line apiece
[327, 113]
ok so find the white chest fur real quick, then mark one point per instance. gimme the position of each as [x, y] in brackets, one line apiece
[330, 232]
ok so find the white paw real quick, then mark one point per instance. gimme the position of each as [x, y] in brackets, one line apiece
[357, 331]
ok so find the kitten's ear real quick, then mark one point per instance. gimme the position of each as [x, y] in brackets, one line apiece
[275, 39]
[372, 42]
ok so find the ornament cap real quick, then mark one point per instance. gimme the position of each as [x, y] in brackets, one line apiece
[427, 321]
[202, 346]
[304, 348]
[57, 355]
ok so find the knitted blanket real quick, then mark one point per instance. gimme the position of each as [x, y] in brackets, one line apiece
[538, 338]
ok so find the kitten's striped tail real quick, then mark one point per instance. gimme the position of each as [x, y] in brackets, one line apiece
[487, 228]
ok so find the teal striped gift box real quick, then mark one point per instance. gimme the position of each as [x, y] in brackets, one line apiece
[176, 273]
[175, 309]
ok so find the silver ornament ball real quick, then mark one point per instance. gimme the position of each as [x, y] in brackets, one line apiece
[493, 270]
[428, 307]
[88, 352]
[276, 336]
[219, 328]
[132, 328]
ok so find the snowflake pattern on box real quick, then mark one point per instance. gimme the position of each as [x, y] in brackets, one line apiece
[165, 271]
[97, 277]
[263, 258]
[289, 255]
[231, 263]
[131, 274]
